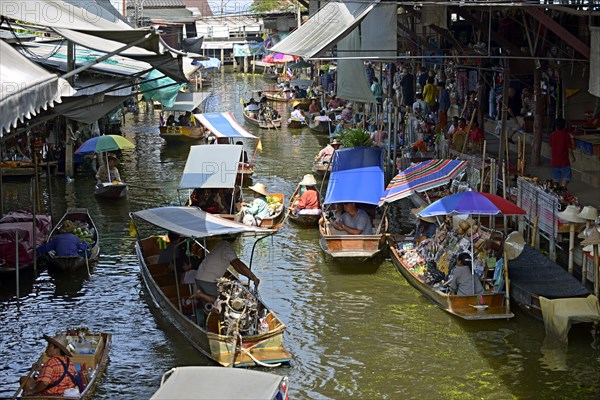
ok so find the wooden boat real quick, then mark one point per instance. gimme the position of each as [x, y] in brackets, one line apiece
[277, 96]
[94, 355]
[182, 134]
[304, 219]
[16, 231]
[533, 275]
[240, 384]
[320, 127]
[274, 219]
[109, 190]
[270, 75]
[354, 247]
[81, 219]
[264, 124]
[465, 307]
[320, 168]
[296, 124]
[230, 339]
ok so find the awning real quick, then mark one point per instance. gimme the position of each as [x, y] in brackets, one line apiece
[89, 24]
[324, 29]
[352, 82]
[25, 88]
[223, 125]
[187, 101]
[212, 62]
[356, 176]
[188, 383]
[421, 177]
[192, 222]
[211, 167]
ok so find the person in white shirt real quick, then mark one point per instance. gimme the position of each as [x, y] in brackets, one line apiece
[297, 114]
[322, 117]
[214, 267]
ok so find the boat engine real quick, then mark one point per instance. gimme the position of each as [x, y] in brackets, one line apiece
[240, 308]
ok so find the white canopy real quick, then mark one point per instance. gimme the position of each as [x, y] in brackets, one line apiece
[324, 29]
[218, 383]
[187, 101]
[25, 88]
[211, 167]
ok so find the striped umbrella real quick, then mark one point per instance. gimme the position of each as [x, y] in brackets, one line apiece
[99, 144]
[421, 177]
[477, 203]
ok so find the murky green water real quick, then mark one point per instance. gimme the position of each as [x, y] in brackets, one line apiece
[355, 331]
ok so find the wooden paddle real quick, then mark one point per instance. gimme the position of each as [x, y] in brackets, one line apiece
[33, 369]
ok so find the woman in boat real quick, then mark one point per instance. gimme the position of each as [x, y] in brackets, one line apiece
[463, 282]
[65, 244]
[57, 375]
[310, 198]
[214, 267]
[426, 226]
[111, 174]
[255, 212]
[327, 152]
[313, 107]
[252, 108]
[244, 156]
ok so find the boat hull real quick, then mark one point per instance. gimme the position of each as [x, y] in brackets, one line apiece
[296, 124]
[321, 128]
[276, 123]
[71, 263]
[461, 306]
[111, 191]
[305, 220]
[182, 134]
[351, 247]
[267, 348]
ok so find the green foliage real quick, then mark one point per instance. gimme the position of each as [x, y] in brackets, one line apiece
[265, 6]
[355, 137]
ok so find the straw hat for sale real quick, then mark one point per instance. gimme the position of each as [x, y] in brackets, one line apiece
[514, 245]
[308, 180]
[259, 188]
[571, 214]
[586, 232]
[590, 213]
[416, 211]
[61, 342]
[592, 239]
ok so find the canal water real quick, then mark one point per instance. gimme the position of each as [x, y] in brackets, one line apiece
[356, 331]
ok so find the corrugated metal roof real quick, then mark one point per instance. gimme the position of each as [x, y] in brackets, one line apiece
[158, 4]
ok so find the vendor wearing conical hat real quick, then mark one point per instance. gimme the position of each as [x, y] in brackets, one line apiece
[310, 198]
[327, 152]
[52, 380]
[426, 226]
[253, 213]
[108, 171]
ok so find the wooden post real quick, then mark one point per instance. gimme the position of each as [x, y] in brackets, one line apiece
[571, 245]
[482, 165]
[245, 64]
[222, 58]
[505, 87]
[596, 271]
[69, 168]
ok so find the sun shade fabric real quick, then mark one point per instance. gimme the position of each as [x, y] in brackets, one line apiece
[223, 125]
[187, 383]
[211, 167]
[193, 222]
[352, 82]
[25, 88]
[187, 101]
[157, 86]
[476, 203]
[324, 29]
[89, 24]
[356, 176]
[378, 32]
[99, 144]
[421, 177]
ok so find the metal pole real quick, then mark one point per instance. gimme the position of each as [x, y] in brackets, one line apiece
[505, 87]
[1, 179]
[49, 177]
[17, 261]
[34, 232]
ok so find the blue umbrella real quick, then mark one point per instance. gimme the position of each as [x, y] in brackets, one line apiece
[472, 203]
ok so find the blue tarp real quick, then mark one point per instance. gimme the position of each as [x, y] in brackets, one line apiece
[157, 86]
[208, 64]
[356, 176]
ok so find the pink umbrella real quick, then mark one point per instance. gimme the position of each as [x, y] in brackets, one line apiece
[279, 58]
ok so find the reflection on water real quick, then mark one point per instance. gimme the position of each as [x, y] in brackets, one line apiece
[355, 330]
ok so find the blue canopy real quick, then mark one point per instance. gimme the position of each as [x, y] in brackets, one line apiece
[356, 176]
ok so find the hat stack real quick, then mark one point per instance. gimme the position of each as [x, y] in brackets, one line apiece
[571, 214]
[590, 214]
[592, 239]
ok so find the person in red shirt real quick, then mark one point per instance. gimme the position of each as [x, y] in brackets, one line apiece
[57, 375]
[561, 144]
[476, 136]
[310, 199]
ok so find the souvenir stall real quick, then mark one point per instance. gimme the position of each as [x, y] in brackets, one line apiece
[429, 260]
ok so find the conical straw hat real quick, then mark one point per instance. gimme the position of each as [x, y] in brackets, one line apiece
[570, 214]
[586, 232]
[593, 238]
[308, 180]
[589, 213]
[259, 188]
[514, 245]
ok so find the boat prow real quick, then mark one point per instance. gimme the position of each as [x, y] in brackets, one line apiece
[111, 190]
